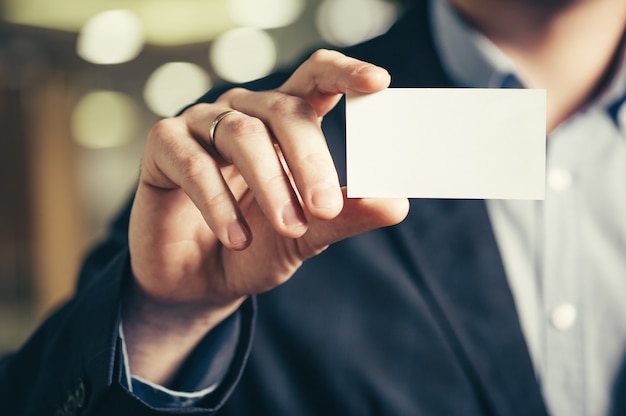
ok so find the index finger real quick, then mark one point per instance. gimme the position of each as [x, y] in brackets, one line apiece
[323, 78]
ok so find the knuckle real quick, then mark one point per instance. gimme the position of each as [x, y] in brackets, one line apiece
[218, 199]
[240, 127]
[163, 129]
[291, 105]
[317, 156]
[232, 93]
[315, 160]
[323, 55]
[276, 180]
[193, 167]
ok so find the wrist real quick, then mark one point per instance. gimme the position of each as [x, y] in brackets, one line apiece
[161, 334]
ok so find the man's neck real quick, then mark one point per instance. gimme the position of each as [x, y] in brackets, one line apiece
[565, 46]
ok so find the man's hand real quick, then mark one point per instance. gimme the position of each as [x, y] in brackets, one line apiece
[212, 225]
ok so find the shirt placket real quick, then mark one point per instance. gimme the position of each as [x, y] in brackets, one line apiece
[563, 302]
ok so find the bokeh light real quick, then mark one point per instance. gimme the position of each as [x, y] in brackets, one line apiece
[104, 119]
[243, 54]
[111, 37]
[174, 85]
[265, 14]
[347, 22]
[182, 22]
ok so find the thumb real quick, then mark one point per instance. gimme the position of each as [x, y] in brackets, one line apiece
[358, 216]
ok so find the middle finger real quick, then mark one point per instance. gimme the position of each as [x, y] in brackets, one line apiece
[248, 144]
[296, 128]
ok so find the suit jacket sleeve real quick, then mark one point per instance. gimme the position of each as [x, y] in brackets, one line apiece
[72, 365]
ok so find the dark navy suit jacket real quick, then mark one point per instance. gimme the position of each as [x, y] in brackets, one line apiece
[415, 319]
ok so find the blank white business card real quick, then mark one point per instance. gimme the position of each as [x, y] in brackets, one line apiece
[446, 143]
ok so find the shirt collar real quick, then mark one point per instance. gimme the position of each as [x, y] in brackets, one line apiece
[472, 60]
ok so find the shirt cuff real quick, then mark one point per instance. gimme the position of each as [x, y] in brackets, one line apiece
[198, 376]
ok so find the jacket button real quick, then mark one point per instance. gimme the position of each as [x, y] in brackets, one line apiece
[70, 406]
[79, 394]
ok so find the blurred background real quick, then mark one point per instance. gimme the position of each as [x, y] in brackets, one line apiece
[82, 82]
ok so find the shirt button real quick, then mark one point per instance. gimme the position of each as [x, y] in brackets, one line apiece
[559, 179]
[563, 316]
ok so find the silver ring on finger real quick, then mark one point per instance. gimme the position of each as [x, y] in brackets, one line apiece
[213, 127]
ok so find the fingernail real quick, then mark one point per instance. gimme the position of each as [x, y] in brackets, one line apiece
[292, 216]
[326, 196]
[237, 233]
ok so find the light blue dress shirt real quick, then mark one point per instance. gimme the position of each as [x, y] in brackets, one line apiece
[565, 257]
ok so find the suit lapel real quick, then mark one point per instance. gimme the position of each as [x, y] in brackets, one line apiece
[454, 249]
